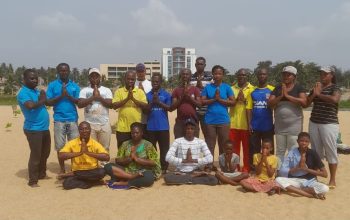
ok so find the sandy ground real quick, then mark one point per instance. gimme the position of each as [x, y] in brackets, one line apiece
[50, 201]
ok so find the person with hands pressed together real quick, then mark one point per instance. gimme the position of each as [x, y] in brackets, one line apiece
[159, 103]
[97, 100]
[36, 126]
[287, 100]
[324, 123]
[185, 99]
[218, 96]
[240, 127]
[84, 153]
[265, 171]
[63, 95]
[137, 162]
[130, 101]
[189, 155]
[300, 169]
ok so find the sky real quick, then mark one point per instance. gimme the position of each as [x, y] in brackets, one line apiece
[233, 33]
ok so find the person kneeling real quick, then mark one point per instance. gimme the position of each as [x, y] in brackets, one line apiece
[84, 153]
[300, 169]
[265, 171]
[184, 154]
[229, 163]
[137, 162]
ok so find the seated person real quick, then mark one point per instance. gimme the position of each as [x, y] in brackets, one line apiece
[137, 162]
[265, 171]
[300, 169]
[185, 154]
[84, 153]
[229, 164]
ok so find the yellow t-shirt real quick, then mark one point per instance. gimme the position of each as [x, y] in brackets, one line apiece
[271, 160]
[128, 113]
[238, 115]
[83, 162]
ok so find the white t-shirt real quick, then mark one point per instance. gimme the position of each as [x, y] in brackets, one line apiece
[147, 87]
[96, 113]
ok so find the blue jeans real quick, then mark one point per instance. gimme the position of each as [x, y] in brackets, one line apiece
[63, 131]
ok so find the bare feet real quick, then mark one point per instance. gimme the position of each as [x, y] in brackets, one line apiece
[34, 185]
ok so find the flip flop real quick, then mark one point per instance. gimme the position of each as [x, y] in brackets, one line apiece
[331, 186]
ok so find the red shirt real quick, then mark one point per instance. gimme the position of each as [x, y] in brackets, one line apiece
[186, 109]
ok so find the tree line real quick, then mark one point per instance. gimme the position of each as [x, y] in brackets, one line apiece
[11, 79]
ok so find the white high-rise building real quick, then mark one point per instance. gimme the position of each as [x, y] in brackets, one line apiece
[176, 58]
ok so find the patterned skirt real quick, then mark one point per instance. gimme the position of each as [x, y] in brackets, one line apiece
[259, 186]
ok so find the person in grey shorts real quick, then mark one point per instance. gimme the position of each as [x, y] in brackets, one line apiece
[287, 101]
[63, 95]
[324, 124]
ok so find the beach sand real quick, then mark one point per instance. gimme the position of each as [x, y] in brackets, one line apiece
[50, 201]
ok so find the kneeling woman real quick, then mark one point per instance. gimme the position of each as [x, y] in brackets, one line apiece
[137, 162]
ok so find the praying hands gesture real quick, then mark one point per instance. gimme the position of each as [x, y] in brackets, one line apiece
[240, 97]
[64, 90]
[83, 145]
[317, 89]
[189, 157]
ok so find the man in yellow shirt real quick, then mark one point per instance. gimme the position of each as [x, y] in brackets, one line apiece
[239, 128]
[84, 153]
[131, 101]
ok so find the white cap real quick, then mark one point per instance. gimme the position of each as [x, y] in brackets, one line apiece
[290, 69]
[327, 69]
[94, 70]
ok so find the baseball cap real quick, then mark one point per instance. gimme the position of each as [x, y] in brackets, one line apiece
[190, 121]
[140, 67]
[94, 70]
[290, 69]
[327, 69]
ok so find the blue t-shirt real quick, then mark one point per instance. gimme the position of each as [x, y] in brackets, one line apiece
[158, 117]
[217, 113]
[261, 113]
[64, 110]
[36, 119]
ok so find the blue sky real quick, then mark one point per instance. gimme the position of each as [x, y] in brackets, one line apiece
[235, 34]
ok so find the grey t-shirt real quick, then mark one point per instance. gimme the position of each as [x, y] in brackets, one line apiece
[288, 116]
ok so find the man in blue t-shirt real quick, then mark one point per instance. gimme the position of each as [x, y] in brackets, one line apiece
[261, 122]
[159, 103]
[36, 126]
[63, 95]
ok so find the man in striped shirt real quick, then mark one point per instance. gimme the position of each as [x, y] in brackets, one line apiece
[189, 155]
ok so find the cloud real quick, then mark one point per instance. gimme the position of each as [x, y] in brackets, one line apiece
[157, 19]
[244, 31]
[305, 32]
[343, 14]
[58, 22]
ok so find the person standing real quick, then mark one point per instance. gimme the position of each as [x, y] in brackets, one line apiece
[261, 121]
[130, 101]
[239, 132]
[159, 103]
[200, 79]
[185, 99]
[145, 85]
[36, 126]
[287, 100]
[324, 123]
[96, 100]
[218, 96]
[63, 95]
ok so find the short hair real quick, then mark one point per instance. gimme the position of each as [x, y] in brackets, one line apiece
[62, 64]
[84, 122]
[136, 125]
[158, 75]
[201, 58]
[303, 134]
[241, 70]
[228, 141]
[27, 71]
[218, 67]
[267, 140]
[261, 68]
[128, 72]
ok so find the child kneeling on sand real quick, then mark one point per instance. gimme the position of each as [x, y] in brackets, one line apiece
[300, 169]
[265, 168]
[229, 163]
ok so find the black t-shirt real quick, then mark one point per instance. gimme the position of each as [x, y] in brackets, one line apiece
[314, 162]
[296, 90]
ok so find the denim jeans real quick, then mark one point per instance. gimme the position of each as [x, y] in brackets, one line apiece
[63, 131]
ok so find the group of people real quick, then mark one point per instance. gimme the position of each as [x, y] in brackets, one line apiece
[239, 116]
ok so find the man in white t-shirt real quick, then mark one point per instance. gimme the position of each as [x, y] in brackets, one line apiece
[146, 85]
[96, 100]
